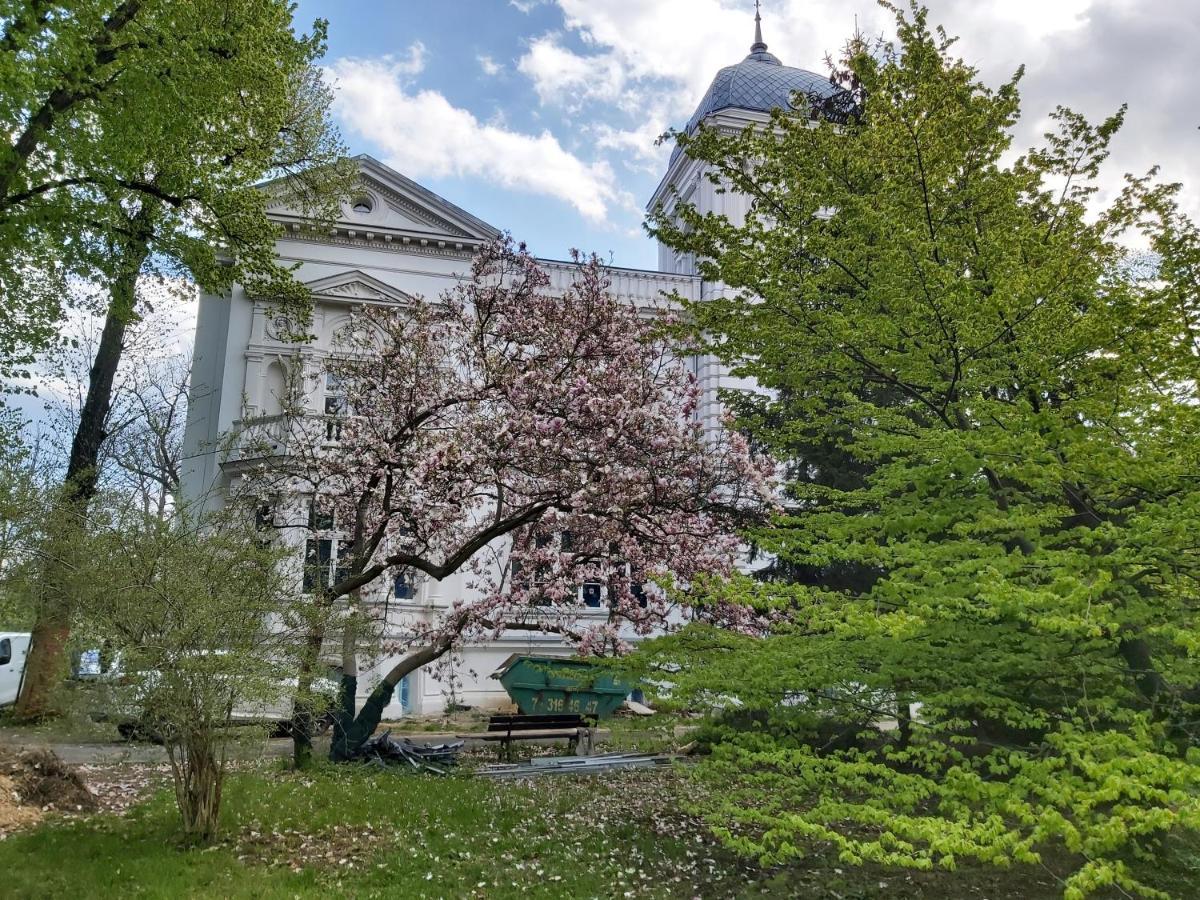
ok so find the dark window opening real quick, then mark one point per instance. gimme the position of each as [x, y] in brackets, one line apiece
[639, 594]
[319, 520]
[345, 555]
[592, 594]
[402, 588]
[264, 516]
[317, 557]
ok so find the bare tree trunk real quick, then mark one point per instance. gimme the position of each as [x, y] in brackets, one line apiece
[302, 707]
[46, 662]
[343, 716]
[198, 773]
[363, 725]
[904, 719]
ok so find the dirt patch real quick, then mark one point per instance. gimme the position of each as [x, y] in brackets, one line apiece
[119, 787]
[33, 782]
[13, 813]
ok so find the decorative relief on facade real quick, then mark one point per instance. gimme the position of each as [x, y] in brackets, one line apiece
[355, 289]
[279, 328]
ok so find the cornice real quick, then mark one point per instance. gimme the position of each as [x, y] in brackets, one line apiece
[384, 239]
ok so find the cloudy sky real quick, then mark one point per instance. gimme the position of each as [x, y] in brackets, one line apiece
[540, 116]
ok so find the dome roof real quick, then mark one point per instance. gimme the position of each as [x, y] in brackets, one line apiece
[761, 83]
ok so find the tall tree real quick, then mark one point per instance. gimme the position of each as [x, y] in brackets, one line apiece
[1021, 399]
[116, 104]
[178, 195]
[534, 442]
[141, 454]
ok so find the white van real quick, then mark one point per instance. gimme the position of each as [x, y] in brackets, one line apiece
[14, 647]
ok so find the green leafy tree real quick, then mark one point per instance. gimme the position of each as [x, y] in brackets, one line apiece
[206, 631]
[1018, 394]
[177, 112]
[115, 106]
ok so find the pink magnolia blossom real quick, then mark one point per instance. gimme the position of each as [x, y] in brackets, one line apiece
[536, 441]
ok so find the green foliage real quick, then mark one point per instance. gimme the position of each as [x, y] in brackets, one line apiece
[20, 492]
[1017, 395]
[135, 120]
[199, 615]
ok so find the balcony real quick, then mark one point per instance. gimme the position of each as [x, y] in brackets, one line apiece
[271, 437]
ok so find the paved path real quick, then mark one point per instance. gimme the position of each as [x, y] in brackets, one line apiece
[118, 752]
[79, 753]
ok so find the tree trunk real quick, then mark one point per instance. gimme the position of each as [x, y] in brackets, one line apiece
[904, 719]
[357, 731]
[47, 649]
[344, 733]
[198, 773]
[302, 707]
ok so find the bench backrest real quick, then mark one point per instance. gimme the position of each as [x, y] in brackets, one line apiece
[529, 723]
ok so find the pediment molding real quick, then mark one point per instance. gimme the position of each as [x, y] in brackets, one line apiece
[399, 207]
[355, 286]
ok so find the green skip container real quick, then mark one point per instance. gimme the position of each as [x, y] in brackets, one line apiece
[558, 685]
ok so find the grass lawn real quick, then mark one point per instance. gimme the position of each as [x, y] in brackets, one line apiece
[362, 833]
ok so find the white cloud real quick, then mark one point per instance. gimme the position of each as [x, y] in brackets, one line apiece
[526, 6]
[639, 144]
[489, 66]
[413, 63]
[563, 77]
[423, 135]
[634, 68]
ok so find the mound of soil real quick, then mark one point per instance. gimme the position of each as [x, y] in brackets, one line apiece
[35, 781]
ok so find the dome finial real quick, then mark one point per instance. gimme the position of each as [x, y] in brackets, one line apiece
[758, 46]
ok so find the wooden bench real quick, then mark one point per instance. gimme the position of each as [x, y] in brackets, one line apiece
[580, 731]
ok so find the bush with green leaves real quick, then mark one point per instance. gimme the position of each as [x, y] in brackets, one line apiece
[1013, 667]
[206, 630]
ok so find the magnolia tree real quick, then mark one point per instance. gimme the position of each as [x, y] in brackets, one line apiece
[533, 441]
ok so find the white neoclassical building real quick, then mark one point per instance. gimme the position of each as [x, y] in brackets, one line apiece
[396, 239]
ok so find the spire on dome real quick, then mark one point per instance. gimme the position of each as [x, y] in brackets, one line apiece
[758, 46]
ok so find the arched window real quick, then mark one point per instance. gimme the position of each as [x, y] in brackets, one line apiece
[274, 390]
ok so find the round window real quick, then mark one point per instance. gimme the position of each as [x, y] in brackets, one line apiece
[362, 205]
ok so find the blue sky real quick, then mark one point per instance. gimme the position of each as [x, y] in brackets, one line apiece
[469, 54]
[539, 116]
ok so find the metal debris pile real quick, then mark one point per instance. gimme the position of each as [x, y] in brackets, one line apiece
[384, 750]
[576, 765]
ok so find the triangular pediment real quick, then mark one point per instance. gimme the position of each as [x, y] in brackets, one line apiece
[388, 203]
[355, 286]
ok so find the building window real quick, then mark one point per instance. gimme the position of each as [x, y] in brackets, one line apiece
[264, 517]
[345, 556]
[318, 554]
[592, 594]
[335, 406]
[319, 519]
[403, 588]
[327, 561]
[639, 594]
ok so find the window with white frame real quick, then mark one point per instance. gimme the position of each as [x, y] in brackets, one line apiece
[328, 557]
[336, 407]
